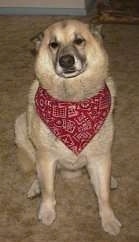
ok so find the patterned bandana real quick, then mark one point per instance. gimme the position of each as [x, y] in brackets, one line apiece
[74, 123]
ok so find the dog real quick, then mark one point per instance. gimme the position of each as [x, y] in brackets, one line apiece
[68, 123]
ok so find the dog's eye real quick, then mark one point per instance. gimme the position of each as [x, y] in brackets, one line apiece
[79, 41]
[54, 45]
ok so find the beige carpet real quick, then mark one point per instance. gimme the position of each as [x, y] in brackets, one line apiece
[77, 213]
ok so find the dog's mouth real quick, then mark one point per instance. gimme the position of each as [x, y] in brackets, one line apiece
[69, 66]
[70, 73]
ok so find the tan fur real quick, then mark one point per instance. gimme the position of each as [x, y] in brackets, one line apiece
[43, 148]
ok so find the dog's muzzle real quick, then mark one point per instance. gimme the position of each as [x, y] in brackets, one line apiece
[69, 63]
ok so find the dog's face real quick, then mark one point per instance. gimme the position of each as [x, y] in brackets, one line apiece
[69, 51]
[64, 48]
[68, 54]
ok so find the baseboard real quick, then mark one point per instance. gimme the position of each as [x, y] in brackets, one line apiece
[42, 11]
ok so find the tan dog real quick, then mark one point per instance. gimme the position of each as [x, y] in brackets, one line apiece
[71, 80]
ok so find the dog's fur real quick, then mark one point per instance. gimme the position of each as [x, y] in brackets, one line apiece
[39, 145]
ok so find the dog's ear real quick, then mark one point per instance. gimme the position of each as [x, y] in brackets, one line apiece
[97, 30]
[37, 39]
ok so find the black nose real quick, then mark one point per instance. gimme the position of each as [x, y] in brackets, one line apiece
[66, 61]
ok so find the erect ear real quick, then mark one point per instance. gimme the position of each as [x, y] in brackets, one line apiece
[37, 39]
[97, 30]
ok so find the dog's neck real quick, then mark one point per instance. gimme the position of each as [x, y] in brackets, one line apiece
[71, 90]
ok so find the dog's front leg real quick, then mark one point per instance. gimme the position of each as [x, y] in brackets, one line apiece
[46, 166]
[99, 169]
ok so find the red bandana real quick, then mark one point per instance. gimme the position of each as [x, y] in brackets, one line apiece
[74, 123]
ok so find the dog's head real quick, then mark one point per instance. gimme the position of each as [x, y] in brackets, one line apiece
[69, 49]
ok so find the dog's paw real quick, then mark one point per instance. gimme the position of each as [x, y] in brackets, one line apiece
[47, 214]
[111, 224]
[34, 189]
